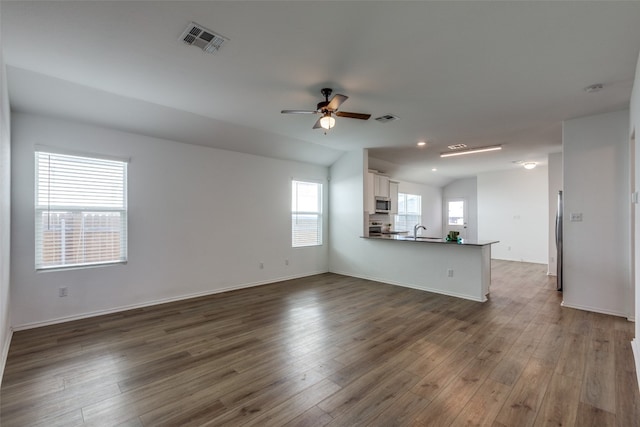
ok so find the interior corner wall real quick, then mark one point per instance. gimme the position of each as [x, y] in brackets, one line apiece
[513, 208]
[466, 188]
[201, 220]
[555, 185]
[5, 217]
[596, 267]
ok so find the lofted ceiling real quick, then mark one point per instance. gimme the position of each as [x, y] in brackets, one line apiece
[475, 73]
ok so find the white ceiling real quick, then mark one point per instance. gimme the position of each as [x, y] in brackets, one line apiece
[478, 73]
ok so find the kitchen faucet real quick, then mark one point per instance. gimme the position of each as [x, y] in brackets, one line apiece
[416, 228]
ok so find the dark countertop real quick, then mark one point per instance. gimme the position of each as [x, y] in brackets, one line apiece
[438, 240]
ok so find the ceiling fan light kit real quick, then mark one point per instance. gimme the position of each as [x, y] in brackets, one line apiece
[329, 109]
[472, 151]
[327, 121]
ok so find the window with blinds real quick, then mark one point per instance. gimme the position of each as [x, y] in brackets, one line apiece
[306, 214]
[409, 212]
[80, 211]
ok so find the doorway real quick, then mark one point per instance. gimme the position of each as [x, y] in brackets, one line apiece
[456, 219]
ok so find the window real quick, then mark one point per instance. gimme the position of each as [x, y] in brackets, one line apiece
[306, 214]
[455, 212]
[409, 212]
[80, 211]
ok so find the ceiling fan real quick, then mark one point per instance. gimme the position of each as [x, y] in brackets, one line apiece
[329, 109]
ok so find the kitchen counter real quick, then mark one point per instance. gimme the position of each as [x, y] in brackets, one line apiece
[438, 240]
[432, 264]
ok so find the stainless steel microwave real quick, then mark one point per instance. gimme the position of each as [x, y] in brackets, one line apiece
[383, 205]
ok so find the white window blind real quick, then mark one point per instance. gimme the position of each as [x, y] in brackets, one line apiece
[409, 212]
[306, 214]
[80, 211]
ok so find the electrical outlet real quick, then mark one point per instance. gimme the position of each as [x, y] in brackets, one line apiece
[63, 292]
[450, 272]
[261, 265]
[576, 217]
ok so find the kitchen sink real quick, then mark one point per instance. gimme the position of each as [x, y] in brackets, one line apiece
[422, 238]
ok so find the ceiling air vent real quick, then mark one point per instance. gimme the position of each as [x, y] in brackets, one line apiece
[456, 146]
[207, 40]
[386, 118]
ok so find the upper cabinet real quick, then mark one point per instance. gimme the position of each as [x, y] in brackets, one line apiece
[381, 186]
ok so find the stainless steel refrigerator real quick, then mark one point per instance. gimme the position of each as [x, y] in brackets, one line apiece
[559, 217]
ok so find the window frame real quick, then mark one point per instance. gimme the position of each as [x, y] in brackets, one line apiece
[399, 225]
[319, 214]
[82, 212]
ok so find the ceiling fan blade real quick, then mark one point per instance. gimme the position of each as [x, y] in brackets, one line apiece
[353, 115]
[317, 125]
[299, 112]
[336, 101]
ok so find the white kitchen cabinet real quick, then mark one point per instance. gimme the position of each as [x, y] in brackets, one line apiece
[381, 186]
[393, 196]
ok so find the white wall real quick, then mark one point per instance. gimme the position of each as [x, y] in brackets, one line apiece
[431, 201]
[555, 185]
[467, 189]
[513, 208]
[634, 131]
[596, 184]
[5, 210]
[200, 221]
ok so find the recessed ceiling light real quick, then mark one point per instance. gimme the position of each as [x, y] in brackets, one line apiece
[597, 87]
[529, 165]
[421, 144]
[434, 170]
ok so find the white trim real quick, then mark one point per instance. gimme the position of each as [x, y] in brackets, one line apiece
[594, 309]
[64, 151]
[5, 353]
[419, 288]
[157, 302]
[635, 346]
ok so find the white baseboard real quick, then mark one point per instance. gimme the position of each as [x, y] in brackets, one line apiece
[5, 353]
[156, 302]
[635, 346]
[594, 309]
[405, 285]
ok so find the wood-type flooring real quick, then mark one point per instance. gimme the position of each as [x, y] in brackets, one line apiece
[331, 350]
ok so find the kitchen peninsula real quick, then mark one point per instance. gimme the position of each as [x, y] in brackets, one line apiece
[458, 269]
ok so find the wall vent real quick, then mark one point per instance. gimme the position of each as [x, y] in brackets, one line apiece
[207, 40]
[386, 118]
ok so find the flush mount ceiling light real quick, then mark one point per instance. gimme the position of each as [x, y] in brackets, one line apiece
[421, 144]
[529, 165]
[471, 151]
[327, 121]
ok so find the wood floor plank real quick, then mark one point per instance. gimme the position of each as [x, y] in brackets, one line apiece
[598, 387]
[331, 350]
[523, 403]
[560, 404]
[484, 405]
